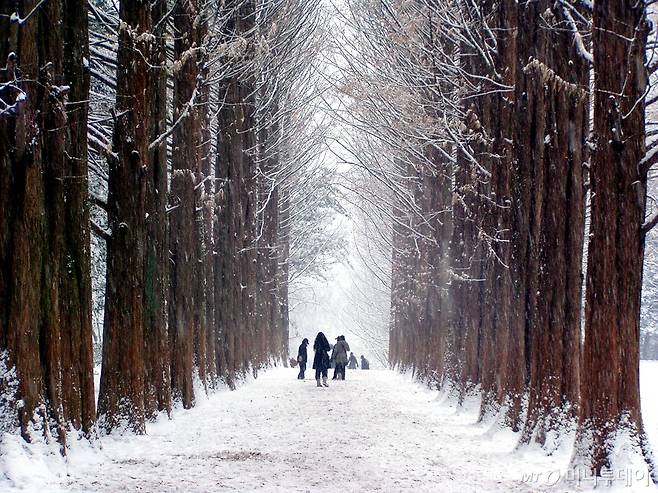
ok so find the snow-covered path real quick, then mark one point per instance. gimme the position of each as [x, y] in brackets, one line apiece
[377, 431]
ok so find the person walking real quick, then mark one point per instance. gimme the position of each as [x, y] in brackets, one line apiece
[365, 364]
[340, 356]
[321, 359]
[302, 358]
[352, 364]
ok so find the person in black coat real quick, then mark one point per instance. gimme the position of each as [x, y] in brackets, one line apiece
[321, 359]
[302, 358]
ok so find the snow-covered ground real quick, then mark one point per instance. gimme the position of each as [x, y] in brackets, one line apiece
[377, 431]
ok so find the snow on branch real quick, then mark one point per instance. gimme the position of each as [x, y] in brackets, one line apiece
[100, 232]
[15, 18]
[650, 223]
[9, 104]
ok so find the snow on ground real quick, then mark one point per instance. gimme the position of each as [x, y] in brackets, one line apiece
[377, 431]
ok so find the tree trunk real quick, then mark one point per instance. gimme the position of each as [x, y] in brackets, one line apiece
[207, 203]
[209, 278]
[45, 324]
[199, 289]
[476, 247]
[157, 394]
[283, 260]
[188, 294]
[394, 335]
[235, 172]
[270, 342]
[610, 393]
[248, 197]
[527, 177]
[227, 281]
[554, 331]
[182, 248]
[121, 400]
[510, 342]
[75, 299]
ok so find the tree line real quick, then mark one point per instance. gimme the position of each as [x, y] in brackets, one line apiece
[505, 148]
[175, 136]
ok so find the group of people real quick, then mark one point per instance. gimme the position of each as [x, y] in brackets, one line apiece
[322, 361]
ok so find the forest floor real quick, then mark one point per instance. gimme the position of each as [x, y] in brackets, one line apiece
[376, 431]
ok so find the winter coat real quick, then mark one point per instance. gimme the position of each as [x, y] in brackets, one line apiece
[353, 364]
[340, 352]
[365, 364]
[302, 354]
[321, 348]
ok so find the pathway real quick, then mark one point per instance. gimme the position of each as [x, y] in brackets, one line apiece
[375, 432]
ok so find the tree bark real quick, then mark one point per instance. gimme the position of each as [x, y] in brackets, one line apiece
[207, 204]
[235, 173]
[510, 342]
[283, 260]
[227, 275]
[78, 382]
[554, 331]
[270, 336]
[182, 248]
[199, 284]
[157, 394]
[610, 393]
[44, 262]
[188, 294]
[121, 399]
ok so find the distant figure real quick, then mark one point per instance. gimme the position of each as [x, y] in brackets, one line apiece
[365, 365]
[340, 357]
[352, 363]
[302, 358]
[321, 359]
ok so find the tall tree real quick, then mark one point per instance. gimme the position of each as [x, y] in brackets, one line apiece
[283, 271]
[185, 315]
[610, 393]
[560, 160]
[236, 179]
[157, 392]
[121, 399]
[75, 298]
[45, 325]
[269, 320]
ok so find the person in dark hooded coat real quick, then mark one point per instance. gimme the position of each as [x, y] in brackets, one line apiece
[352, 363]
[302, 358]
[365, 364]
[321, 359]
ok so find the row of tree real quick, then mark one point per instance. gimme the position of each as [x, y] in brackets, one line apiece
[182, 128]
[484, 131]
